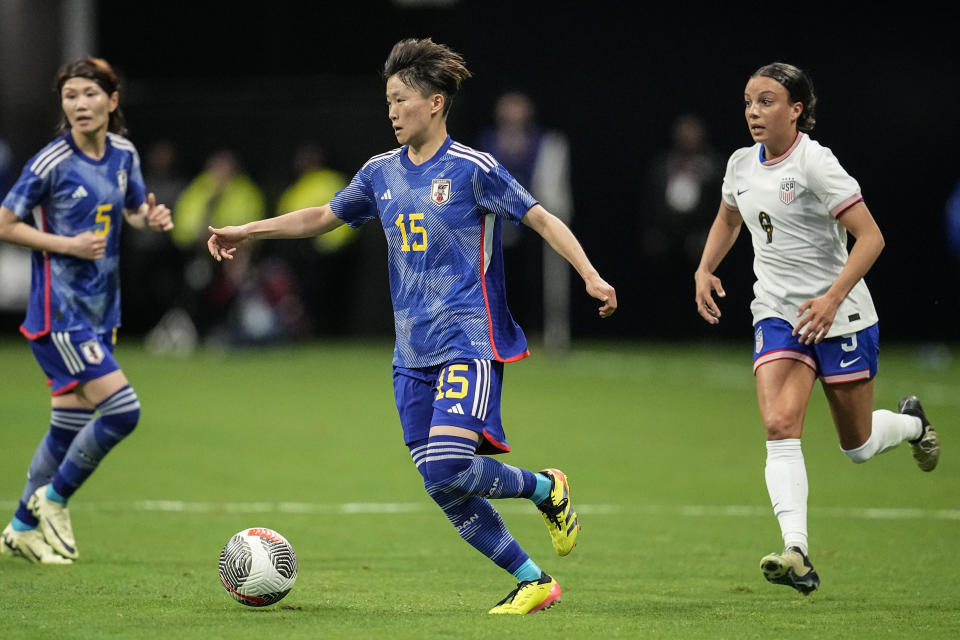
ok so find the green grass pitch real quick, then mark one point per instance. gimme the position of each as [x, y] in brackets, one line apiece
[663, 446]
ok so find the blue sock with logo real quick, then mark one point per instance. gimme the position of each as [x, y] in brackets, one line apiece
[118, 416]
[460, 482]
[64, 426]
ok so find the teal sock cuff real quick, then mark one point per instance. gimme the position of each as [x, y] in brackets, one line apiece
[20, 525]
[54, 496]
[527, 571]
[544, 484]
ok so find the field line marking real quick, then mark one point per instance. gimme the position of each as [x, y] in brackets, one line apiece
[358, 508]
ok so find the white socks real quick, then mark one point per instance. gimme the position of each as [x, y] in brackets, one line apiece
[786, 478]
[889, 430]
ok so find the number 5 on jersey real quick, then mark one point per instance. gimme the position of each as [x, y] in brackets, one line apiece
[411, 233]
[103, 217]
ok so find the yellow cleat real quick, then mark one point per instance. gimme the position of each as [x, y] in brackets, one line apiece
[558, 513]
[530, 596]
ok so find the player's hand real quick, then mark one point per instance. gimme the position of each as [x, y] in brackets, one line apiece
[159, 217]
[706, 284]
[816, 316]
[598, 288]
[87, 245]
[224, 242]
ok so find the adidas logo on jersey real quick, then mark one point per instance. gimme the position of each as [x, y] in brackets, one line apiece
[386, 195]
[456, 409]
[79, 193]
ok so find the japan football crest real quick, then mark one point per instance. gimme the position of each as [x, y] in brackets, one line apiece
[758, 340]
[92, 351]
[788, 190]
[122, 180]
[440, 191]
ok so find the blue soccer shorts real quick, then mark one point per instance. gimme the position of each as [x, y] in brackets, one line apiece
[459, 393]
[846, 358]
[73, 358]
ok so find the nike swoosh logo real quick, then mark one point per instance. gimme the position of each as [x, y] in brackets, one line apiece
[740, 193]
[844, 364]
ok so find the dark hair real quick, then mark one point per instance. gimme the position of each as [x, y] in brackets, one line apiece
[427, 67]
[799, 87]
[100, 71]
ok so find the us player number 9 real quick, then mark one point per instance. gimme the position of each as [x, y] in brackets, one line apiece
[415, 229]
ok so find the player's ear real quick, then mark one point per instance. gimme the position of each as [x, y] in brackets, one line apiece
[437, 102]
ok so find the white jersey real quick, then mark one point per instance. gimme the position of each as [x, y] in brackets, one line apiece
[791, 204]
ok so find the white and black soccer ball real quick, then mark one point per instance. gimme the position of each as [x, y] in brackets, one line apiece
[258, 567]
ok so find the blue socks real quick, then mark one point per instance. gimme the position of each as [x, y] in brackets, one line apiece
[64, 426]
[118, 415]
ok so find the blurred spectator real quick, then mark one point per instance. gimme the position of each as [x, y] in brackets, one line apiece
[222, 194]
[327, 298]
[153, 267]
[680, 206]
[7, 168]
[540, 161]
[681, 184]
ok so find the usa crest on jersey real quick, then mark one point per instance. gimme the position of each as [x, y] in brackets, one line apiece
[788, 190]
[440, 191]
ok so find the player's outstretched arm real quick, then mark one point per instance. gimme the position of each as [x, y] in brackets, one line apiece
[723, 233]
[150, 215]
[303, 223]
[86, 245]
[559, 236]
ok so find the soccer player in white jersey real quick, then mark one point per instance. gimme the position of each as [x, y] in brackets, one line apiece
[69, 206]
[441, 205]
[812, 313]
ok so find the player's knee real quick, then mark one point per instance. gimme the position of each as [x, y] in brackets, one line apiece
[119, 415]
[442, 473]
[781, 426]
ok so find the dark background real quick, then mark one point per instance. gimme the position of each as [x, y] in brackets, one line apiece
[612, 76]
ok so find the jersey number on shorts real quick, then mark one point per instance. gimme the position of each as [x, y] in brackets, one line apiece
[462, 384]
[102, 217]
[415, 230]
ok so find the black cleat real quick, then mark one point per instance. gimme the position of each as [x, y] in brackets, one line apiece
[792, 568]
[926, 448]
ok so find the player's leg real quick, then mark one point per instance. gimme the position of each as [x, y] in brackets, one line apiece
[69, 413]
[468, 396]
[96, 378]
[863, 432]
[445, 455]
[785, 375]
[452, 476]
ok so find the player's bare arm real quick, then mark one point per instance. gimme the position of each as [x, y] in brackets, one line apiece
[150, 215]
[303, 223]
[723, 233]
[817, 314]
[86, 245]
[559, 236]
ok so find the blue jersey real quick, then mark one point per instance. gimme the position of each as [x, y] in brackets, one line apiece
[442, 220]
[64, 191]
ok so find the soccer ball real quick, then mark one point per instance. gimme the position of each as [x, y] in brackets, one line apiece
[258, 567]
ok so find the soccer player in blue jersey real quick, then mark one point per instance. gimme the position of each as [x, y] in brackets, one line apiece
[69, 205]
[441, 205]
